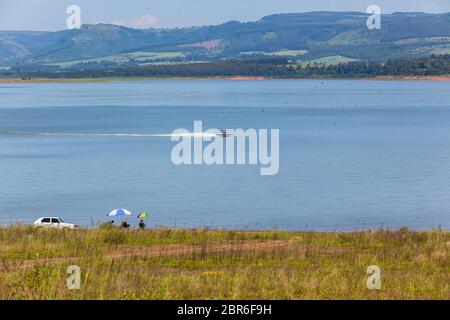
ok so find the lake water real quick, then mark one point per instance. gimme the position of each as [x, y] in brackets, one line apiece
[353, 154]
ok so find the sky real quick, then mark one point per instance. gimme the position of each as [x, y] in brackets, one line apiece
[50, 15]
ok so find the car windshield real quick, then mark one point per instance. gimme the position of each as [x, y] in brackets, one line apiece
[61, 220]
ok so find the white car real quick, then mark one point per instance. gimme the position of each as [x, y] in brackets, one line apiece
[52, 222]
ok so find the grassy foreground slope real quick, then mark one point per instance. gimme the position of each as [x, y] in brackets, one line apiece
[219, 264]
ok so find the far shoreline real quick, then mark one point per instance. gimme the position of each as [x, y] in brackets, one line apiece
[30, 80]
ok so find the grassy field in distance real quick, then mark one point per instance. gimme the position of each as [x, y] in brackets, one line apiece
[173, 263]
[123, 58]
[330, 60]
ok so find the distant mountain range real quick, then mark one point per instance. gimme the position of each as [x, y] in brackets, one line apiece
[322, 37]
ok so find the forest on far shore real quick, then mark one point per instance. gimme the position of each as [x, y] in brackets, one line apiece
[433, 65]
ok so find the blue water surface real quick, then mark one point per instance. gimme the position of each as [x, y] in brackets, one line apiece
[353, 154]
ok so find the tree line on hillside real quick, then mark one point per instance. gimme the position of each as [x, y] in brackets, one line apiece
[268, 67]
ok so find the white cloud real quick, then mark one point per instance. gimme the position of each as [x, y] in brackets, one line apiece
[142, 22]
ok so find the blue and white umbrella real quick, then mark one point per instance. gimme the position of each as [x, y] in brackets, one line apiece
[119, 212]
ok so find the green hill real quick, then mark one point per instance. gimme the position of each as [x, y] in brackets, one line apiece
[301, 37]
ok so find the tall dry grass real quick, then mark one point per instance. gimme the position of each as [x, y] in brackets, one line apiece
[172, 263]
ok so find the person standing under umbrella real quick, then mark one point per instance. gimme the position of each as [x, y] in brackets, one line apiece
[142, 216]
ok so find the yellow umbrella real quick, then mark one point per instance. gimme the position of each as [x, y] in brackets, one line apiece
[145, 215]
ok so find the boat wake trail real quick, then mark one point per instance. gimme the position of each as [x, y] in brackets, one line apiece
[75, 134]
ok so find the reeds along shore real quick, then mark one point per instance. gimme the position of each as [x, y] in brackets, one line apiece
[170, 263]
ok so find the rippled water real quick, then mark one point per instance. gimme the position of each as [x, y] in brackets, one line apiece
[353, 154]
